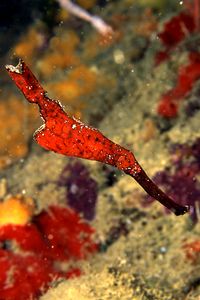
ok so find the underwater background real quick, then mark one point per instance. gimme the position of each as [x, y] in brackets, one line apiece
[72, 228]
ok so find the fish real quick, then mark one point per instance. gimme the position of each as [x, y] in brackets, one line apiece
[69, 136]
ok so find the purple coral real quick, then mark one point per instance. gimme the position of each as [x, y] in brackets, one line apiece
[180, 181]
[81, 189]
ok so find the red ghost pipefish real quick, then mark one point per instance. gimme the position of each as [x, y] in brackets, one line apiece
[69, 136]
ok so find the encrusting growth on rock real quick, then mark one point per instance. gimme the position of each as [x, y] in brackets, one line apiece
[69, 136]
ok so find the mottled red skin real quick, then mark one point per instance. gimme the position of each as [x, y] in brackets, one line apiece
[68, 136]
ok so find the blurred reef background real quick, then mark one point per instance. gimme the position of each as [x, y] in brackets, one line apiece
[76, 229]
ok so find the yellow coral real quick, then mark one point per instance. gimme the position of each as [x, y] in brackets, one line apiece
[146, 24]
[87, 3]
[16, 210]
[97, 43]
[62, 15]
[16, 126]
[80, 82]
[85, 78]
[68, 41]
[28, 45]
[61, 54]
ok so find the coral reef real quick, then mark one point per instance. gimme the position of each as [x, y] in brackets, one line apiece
[87, 3]
[81, 189]
[113, 84]
[15, 129]
[187, 75]
[175, 31]
[16, 210]
[80, 82]
[30, 44]
[60, 54]
[181, 180]
[192, 250]
[31, 256]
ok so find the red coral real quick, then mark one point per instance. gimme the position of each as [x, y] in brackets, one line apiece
[175, 30]
[71, 137]
[67, 236]
[57, 235]
[193, 7]
[25, 276]
[187, 76]
[27, 237]
[192, 250]
[161, 56]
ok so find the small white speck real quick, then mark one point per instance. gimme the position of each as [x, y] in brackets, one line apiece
[73, 126]
[50, 237]
[163, 249]
[74, 189]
